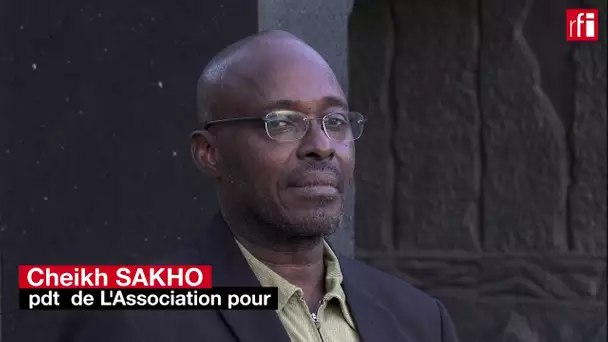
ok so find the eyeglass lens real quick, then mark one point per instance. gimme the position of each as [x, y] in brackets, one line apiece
[291, 126]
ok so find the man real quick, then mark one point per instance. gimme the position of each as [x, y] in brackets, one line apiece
[278, 138]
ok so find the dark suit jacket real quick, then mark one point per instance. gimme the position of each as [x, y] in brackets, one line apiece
[385, 309]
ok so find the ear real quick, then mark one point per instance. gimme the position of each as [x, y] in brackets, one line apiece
[204, 153]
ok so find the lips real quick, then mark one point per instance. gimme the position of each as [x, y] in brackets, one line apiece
[316, 179]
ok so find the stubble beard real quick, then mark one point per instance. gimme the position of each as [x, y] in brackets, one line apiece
[285, 225]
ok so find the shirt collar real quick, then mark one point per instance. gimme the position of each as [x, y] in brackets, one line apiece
[333, 280]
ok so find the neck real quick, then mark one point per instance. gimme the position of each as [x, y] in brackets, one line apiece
[273, 248]
[299, 260]
[299, 253]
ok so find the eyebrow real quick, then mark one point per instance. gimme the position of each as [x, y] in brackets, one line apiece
[330, 101]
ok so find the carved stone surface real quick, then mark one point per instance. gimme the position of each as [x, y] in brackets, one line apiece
[435, 139]
[482, 178]
[588, 193]
[533, 277]
[527, 164]
[521, 321]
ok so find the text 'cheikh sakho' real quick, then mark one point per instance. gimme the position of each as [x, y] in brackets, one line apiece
[134, 287]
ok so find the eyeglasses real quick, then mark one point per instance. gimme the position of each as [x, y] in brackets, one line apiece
[287, 125]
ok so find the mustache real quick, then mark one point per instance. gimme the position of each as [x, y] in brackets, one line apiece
[316, 168]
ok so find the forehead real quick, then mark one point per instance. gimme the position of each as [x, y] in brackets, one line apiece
[299, 80]
[302, 77]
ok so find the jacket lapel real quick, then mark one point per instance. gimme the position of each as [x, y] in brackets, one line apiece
[373, 321]
[230, 269]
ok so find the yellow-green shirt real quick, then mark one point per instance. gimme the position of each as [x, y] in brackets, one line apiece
[334, 322]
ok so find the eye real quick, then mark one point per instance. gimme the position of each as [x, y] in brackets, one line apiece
[283, 121]
[279, 123]
[336, 121]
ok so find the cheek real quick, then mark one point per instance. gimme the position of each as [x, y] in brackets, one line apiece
[267, 160]
[346, 156]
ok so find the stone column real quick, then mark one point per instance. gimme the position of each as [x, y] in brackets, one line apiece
[323, 25]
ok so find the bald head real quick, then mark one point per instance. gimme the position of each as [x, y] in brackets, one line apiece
[278, 146]
[241, 72]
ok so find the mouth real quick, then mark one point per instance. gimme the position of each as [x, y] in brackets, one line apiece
[316, 180]
[317, 184]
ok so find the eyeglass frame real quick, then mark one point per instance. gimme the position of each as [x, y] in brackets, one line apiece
[265, 119]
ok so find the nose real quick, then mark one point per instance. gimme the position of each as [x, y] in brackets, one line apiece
[316, 144]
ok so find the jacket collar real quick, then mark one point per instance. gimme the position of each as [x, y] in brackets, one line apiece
[230, 269]
[218, 248]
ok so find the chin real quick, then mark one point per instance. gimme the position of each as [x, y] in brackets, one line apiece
[313, 222]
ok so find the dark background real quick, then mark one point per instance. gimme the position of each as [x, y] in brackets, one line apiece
[95, 161]
[481, 174]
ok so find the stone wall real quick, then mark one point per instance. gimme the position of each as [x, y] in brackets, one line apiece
[482, 171]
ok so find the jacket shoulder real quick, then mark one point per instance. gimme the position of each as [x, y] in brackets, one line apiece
[387, 288]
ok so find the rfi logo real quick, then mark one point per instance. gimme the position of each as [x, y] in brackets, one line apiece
[581, 25]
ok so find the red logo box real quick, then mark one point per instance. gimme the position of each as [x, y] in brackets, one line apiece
[582, 25]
